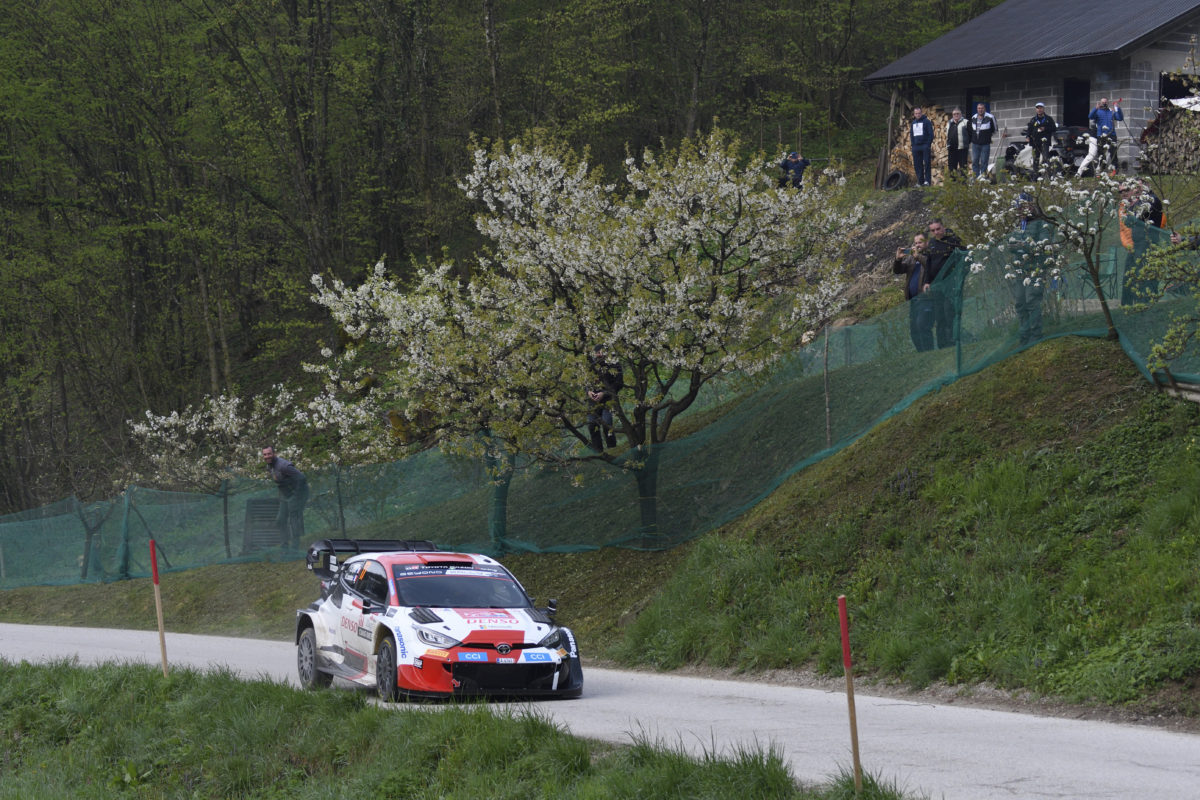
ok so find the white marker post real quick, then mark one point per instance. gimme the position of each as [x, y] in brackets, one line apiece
[845, 619]
[162, 636]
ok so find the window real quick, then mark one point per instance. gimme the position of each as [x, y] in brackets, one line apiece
[372, 582]
[975, 96]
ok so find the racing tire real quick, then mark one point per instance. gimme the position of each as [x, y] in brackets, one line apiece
[385, 671]
[896, 179]
[306, 662]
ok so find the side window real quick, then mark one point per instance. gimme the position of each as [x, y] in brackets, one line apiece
[371, 582]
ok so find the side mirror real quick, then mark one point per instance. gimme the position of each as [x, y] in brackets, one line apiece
[551, 607]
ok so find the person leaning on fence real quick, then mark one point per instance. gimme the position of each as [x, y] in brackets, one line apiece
[983, 127]
[921, 135]
[958, 143]
[942, 244]
[1140, 221]
[293, 495]
[609, 381]
[1026, 272]
[793, 170]
[1040, 133]
[912, 263]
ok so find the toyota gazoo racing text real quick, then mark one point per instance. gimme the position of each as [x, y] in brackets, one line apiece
[412, 620]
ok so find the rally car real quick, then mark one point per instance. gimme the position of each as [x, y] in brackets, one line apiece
[415, 621]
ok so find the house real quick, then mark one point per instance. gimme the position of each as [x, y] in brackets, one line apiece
[1064, 53]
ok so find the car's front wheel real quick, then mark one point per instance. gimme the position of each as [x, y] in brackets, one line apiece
[306, 662]
[385, 670]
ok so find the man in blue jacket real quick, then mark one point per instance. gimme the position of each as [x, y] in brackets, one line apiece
[922, 146]
[1103, 121]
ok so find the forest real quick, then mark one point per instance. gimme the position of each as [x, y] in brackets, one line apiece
[174, 172]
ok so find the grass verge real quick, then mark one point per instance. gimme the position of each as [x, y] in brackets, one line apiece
[125, 731]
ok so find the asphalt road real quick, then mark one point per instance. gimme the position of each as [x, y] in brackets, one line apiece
[941, 751]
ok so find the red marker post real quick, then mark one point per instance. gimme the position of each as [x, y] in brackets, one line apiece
[845, 620]
[162, 636]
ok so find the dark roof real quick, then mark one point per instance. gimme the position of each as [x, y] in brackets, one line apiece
[1023, 32]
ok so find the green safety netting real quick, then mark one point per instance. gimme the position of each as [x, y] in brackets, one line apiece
[817, 401]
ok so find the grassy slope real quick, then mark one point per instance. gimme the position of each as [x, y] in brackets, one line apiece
[1032, 526]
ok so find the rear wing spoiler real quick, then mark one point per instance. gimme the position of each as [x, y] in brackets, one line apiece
[322, 556]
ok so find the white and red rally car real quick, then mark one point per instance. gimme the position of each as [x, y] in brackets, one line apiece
[413, 620]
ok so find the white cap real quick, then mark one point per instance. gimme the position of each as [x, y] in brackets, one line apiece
[1039, 105]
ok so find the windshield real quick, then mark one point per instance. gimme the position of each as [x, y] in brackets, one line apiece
[455, 587]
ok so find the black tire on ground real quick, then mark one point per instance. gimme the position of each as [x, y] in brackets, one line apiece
[385, 671]
[896, 179]
[306, 662]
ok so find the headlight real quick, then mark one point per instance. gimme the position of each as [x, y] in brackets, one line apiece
[552, 640]
[436, 639]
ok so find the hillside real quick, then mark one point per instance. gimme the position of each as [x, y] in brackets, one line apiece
[1029, 528]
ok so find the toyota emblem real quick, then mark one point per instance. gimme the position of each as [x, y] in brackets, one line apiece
[503, 648]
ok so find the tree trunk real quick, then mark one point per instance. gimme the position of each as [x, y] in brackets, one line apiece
[647, 483]
[493, 53]
[500, 472]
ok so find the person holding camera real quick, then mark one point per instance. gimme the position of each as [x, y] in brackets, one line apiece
[793, 170]
[912, 263]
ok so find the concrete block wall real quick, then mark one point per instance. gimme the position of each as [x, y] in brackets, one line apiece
[1014, 92]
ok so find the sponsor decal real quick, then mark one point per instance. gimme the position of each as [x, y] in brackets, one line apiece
[349, 624]
[472, 656]
[363, 633]
[418, 663]
[537, 656]
[570, 641]
[437, 654]
[506, 661]
[487, 616]
[401, 647]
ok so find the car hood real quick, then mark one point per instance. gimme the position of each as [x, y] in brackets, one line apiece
[488, 625]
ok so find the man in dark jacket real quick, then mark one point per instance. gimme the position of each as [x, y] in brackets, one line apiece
[911, 263]
[293, 495]
[922, 146]
[983, 127]
[609, 381]
[793, 170]
[958, 142]
[1040, 134]
[942, 244]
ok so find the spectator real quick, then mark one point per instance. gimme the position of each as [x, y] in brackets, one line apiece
[793, 170]
[1103, 123]
[922, 146]
[293, 495]
[1040, 134]
[911, 263]
[942, 244]
[1026, 278]
[958, 143]
[1140, 221]
[983, 127]
[609, 381]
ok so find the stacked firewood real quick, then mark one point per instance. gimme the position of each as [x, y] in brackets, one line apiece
[1171, 144]
[901, 156]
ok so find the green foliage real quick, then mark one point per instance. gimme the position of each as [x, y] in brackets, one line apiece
[1058, 556]
[125, 730]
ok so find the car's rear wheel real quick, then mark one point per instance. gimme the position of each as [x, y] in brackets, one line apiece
[385, 670]
[306, 662]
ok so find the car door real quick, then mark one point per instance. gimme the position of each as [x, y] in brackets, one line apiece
[366, 584]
